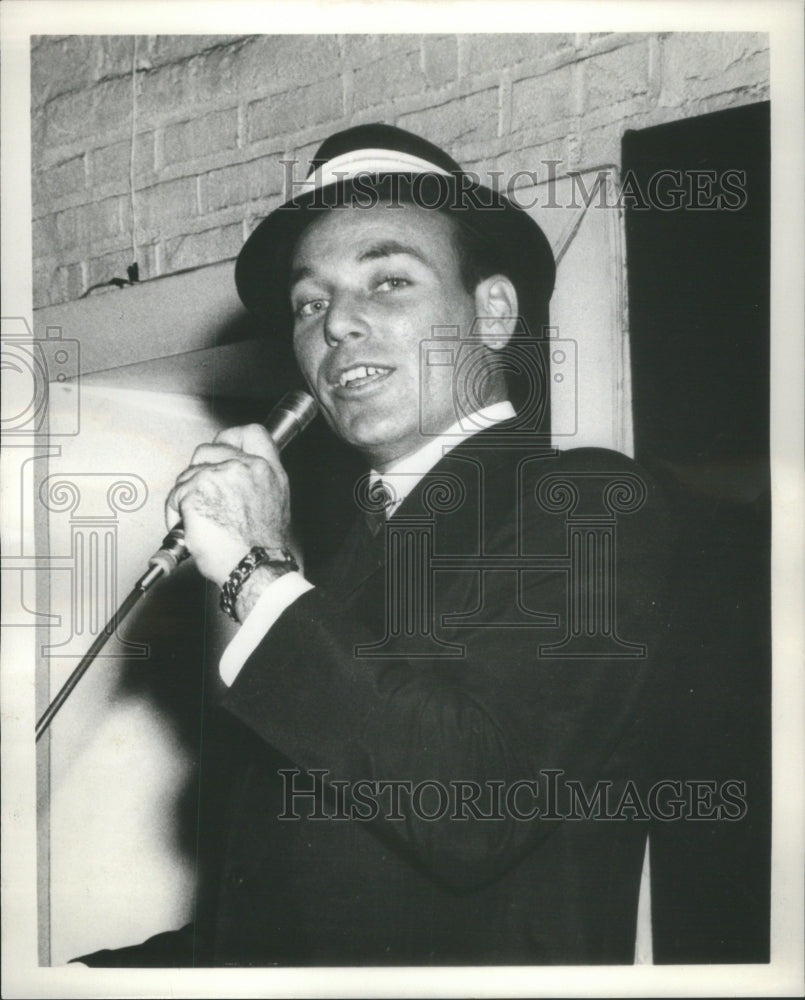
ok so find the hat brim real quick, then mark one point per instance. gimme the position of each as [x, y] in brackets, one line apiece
[263, 267]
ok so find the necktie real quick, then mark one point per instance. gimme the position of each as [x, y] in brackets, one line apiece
[381, 497]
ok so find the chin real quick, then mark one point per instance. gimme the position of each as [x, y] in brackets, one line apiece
[379, 444]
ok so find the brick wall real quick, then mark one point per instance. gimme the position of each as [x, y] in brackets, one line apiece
[215, 115]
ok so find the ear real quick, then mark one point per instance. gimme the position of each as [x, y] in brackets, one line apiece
[496, 311]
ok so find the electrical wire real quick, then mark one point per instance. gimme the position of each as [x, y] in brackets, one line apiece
[132, 154]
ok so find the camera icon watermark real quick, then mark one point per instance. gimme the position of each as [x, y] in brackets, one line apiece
[30, 367]
[543, 368]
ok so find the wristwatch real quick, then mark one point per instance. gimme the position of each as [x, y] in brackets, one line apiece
[256, 556]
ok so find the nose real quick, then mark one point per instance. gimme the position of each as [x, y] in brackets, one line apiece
[344, 318]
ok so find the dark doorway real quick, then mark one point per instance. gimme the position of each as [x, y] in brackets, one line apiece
[698, 266]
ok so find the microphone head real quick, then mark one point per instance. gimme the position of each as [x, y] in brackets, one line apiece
[302, 404]
[291, 416]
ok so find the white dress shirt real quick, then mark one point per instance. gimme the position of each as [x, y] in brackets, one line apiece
[401, 478]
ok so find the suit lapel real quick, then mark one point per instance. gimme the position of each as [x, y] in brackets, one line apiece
[362, 555]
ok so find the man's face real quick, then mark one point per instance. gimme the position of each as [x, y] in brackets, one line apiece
[368, 285]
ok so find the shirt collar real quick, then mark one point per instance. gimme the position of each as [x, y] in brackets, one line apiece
[401, 477]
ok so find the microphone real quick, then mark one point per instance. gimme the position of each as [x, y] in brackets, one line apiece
[290, 417]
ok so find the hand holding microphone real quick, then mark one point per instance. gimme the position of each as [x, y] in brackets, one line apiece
[234, 493]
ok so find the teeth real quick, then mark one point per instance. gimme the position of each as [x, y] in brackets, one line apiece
[361, 371]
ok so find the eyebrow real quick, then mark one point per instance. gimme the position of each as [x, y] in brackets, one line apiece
[297, 274]
[377, 251]
[388, 248]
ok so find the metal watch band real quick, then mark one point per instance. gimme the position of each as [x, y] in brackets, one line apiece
[256, 556]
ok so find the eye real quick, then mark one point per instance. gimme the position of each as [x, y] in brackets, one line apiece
[311, 307]
[392, 283]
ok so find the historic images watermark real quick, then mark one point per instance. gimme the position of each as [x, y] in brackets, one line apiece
[30, 366]
[316, 795]
[41, 407]
[533, 360]
[667, 190]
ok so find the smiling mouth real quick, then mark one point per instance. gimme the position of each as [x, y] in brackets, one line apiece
[362, 375]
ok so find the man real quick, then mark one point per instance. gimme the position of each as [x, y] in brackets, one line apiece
[485, 637]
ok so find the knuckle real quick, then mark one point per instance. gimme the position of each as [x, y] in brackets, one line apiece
[229, 436]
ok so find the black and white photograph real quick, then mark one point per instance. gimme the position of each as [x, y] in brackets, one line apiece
[402, 490]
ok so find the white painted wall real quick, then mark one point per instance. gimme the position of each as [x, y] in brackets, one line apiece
[117, 873]
[591, 405]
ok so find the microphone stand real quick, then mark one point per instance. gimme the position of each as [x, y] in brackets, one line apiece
[162, 562]
[290, 416]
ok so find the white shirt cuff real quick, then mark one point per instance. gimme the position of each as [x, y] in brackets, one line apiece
[277, 596]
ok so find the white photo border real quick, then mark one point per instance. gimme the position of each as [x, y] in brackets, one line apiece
[783, 20]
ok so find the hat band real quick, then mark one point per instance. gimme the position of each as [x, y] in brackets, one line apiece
[367, 161]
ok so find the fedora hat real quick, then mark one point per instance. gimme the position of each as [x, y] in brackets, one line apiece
[382, 164]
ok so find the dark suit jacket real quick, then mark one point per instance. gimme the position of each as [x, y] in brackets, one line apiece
[527, 648]
[515, 701]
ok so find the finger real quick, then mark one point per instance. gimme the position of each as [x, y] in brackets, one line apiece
[171, 509]
[175, 505]
[190, 471]
[192, 479]
[193, 471]
[253, 439]
[185, 481]
[211, 454]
